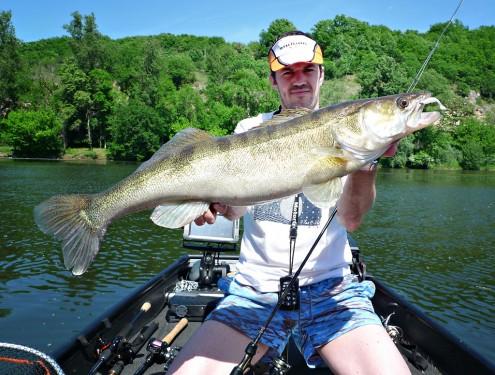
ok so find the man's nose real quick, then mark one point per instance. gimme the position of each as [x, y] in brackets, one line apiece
[298, 78]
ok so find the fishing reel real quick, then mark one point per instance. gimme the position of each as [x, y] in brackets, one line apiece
[279, 367]
[159, 352]
[120, 351]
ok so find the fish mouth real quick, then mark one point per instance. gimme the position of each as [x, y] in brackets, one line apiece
[425, 119]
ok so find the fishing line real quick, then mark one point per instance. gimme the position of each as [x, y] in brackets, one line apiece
[428, 58]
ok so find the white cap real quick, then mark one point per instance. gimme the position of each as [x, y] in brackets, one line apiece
[293, 49]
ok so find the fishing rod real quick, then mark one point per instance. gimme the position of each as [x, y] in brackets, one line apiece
[117, 345]
[252, 347]
[160, 351]
[435, 46]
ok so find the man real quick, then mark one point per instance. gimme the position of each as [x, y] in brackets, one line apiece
[335, 323]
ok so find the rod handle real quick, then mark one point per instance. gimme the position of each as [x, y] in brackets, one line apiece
[175, 331]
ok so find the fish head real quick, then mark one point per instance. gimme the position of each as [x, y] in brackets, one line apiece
[379, 122]
[391, 118]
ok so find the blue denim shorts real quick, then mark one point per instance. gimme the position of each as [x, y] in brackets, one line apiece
[327, 310]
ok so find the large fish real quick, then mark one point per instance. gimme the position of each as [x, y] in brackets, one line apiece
[296, 151]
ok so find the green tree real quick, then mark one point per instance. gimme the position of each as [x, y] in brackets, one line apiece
[341, 39]
[222, 119]
[34, 134]
[476, 141]
[180, 68]
[137, 131]
[88, 101]
[190, 111]
[269, 36]
[10, 65]
[381, 75]
[87, 42]
[148, 71]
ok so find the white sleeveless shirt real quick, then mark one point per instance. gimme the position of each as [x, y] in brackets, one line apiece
[264, 256]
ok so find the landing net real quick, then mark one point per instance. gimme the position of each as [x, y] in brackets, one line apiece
[19, 359]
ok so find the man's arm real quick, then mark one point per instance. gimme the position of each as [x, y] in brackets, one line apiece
[357, 198]
[359, 193]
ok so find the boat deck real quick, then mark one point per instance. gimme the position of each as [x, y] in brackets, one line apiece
[298, 366]
[426, 347]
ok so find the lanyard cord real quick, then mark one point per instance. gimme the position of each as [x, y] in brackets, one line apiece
[293, 232]
[252, 347]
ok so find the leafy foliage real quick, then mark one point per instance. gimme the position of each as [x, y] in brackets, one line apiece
[34, 134]
[134, 94]
[10, 65]
[269, 36]
[135, 130]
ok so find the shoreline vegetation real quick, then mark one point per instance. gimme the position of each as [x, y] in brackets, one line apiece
[86, 96]
[101, 155]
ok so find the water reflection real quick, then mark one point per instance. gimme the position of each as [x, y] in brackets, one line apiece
[430, 235]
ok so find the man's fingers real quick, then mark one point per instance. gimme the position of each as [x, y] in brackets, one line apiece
[210, 215]
[207, 217]
[199, 221]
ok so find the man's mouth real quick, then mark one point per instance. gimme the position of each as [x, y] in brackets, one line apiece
[300, 91]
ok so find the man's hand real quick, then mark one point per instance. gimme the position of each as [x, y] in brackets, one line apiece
[211, 215]
[230, 212]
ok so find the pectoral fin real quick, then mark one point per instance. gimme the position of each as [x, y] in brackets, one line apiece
[326, 194]
[176, 215]
[322, 184]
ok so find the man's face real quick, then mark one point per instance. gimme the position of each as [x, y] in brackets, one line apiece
[299, 85]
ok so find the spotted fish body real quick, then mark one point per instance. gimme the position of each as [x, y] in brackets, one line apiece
[296, 151]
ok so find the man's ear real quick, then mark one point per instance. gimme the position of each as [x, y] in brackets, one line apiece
[322, 75]
[273, 80]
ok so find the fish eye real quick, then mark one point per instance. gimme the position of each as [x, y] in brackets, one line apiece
[402, 103]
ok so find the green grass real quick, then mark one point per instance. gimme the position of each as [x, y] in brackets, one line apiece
[5, 150]
[85, 153]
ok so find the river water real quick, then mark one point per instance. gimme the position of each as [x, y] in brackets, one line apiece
[431, 235]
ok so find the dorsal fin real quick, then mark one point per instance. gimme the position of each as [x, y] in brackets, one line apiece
[180, 140]
[286, 115]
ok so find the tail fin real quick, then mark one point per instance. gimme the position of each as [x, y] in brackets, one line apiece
[66, 218]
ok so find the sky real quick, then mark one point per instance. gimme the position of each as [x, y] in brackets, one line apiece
[235, 21]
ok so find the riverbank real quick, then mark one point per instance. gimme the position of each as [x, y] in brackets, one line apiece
[85, 154]
[99, 154]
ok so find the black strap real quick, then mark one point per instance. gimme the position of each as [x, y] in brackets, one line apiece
[293, 231]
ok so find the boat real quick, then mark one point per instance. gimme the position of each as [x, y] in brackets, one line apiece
[142, 333]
